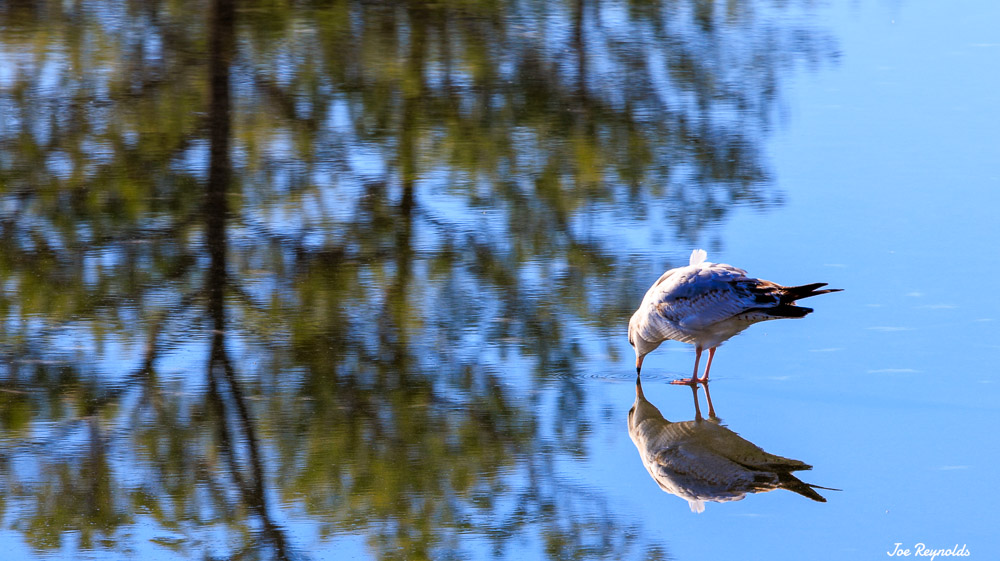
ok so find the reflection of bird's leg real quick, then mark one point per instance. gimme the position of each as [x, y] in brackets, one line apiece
[708, 366]
[694, 375]
[697, 407]
[708, 397]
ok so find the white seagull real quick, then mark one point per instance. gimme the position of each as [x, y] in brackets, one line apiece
[705, 304]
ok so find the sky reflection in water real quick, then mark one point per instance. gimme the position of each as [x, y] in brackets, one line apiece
[354, 280]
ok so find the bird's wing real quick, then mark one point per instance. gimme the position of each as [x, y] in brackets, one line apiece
[695, 297]
[699, 472]
[726, 443]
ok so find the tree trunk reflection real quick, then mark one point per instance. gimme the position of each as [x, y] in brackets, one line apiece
[235, 423]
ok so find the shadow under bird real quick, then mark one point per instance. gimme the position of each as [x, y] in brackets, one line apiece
[705, 304]
[701, 460]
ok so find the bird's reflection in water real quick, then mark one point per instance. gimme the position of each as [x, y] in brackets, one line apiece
[701, 460]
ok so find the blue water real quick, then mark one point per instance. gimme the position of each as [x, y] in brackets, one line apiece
[878, 156]
[889, 389]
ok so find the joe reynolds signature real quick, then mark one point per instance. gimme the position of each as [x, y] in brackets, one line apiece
[921, 550]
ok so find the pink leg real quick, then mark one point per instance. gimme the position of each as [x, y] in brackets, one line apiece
[693, 380]
[711, 355]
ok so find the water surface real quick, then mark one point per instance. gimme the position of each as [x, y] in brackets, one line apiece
[351, 280]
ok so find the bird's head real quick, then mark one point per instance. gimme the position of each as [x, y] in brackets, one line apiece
[636, 342]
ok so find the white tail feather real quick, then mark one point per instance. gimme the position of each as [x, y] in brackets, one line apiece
[698, 256]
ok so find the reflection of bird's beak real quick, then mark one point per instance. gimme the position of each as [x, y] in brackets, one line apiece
[638, 389]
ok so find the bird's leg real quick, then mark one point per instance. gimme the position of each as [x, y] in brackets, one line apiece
[708, 397]
[708, 366]
[694, 376]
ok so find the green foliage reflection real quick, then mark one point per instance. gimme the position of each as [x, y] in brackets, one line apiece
[285, 264]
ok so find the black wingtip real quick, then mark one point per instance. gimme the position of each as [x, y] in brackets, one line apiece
[787, 311]
[796, 485]
[793, 293]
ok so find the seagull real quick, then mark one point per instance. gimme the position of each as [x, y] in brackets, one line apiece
[705, 304]
[701, 460]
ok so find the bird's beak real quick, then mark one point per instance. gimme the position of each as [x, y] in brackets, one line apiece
[638, 365]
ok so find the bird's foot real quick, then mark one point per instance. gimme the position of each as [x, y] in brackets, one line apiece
[689, 381]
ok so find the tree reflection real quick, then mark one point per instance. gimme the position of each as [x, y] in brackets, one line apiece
[267, 268]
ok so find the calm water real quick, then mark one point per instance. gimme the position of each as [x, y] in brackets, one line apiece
[351, 280]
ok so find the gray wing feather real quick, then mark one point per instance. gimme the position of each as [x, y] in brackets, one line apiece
[693, 298]
[701, 472]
